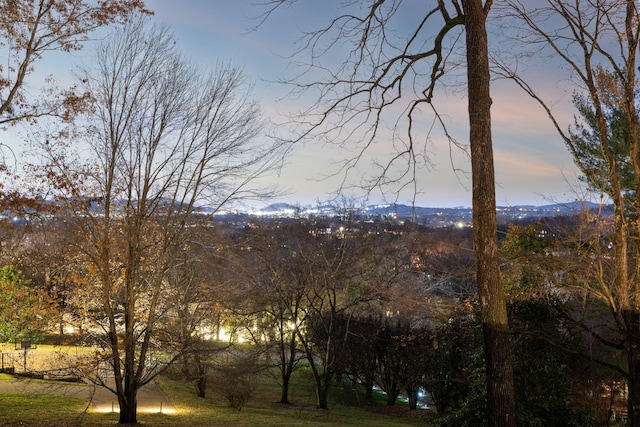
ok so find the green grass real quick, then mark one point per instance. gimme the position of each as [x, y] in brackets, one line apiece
[264, 411]
[347, 408]
[50, 410]
[39, 410]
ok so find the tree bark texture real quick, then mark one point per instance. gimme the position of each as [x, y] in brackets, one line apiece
[500, 391]
[128, 408]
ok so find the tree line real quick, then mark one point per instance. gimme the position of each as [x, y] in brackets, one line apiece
[358, 304]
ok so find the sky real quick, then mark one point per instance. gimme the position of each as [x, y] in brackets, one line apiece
[532, 164]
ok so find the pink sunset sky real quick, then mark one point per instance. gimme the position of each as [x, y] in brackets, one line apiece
[532, 164]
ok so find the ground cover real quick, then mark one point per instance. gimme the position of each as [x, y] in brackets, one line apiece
[347, 408]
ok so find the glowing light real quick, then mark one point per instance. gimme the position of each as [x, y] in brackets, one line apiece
[159, 408]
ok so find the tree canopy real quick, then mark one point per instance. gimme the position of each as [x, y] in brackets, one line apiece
[25, 312]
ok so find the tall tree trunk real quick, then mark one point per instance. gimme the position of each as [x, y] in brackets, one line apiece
[632, 324]
[500, 391]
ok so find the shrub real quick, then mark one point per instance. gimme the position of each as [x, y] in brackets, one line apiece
[236, 381]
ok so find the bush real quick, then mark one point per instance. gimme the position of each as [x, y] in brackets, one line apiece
[236, 381]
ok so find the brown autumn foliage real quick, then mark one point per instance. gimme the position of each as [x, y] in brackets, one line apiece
[30, 30]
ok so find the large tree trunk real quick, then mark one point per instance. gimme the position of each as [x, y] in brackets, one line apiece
[128, 407]
[500, 392]
[632, 323]
[128, 400]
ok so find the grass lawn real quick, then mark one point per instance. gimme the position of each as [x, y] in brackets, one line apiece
[346, 409]
[263, 410]
[39, 410]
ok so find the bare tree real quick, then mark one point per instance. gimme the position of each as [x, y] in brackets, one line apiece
[598, 43]
[310, 283]
[199, 282]
[386, 66]
[279, 293]
[162, 138]
[341, 281]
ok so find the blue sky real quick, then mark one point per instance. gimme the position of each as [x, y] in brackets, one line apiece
[532, 164]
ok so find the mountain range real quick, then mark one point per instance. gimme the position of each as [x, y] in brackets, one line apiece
[442, 216]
